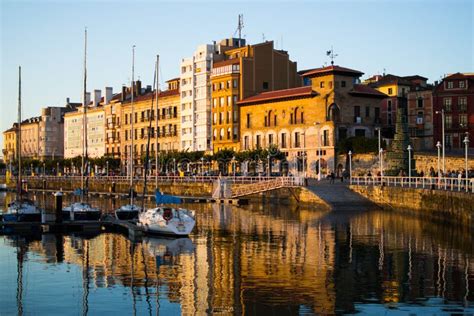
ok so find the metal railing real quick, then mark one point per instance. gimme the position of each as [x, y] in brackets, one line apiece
[434, 183]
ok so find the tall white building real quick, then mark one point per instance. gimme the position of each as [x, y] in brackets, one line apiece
[196, 99]
[73, 130]
[196, 94]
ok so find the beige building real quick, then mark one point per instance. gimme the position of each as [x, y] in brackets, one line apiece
[306, 123]
[10, 144]
[73, 130]
[168, 122]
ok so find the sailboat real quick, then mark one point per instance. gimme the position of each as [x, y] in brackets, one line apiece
[82, 210]
[130, 211]
[164, 220]
[21, 210]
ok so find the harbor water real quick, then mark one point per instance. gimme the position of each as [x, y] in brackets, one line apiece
[256, 259]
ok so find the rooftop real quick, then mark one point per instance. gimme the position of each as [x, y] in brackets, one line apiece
[361, 89]
[332, 69]
[306, 91]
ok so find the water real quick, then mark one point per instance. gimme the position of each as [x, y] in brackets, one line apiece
[253, 260]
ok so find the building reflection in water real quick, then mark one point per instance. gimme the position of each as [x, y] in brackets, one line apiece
[270, 259]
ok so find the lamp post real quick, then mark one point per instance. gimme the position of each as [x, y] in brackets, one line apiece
[233, 166]
[202, 166]
[57, 169]
[268, 167]
[444, 138]
[409, 148]
[381, 164]
[107, 167]
[350, 166]
[174, 166]
[304, 153]
[466, 146]
[31, 169]
[380, 147]
[44, 169]
[438, 145]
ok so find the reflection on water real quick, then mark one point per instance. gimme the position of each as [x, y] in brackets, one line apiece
[253, 260]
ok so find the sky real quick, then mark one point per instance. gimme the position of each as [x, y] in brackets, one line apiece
[429, 38]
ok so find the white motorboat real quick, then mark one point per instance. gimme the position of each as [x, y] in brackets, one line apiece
[167, 221]
[22, 211]
[127, 212]
[81, 211]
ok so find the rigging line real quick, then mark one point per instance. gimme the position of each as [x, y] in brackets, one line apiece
[84, 118]
[147, 156]
[18, 192]
[132, 86]
[147, 292]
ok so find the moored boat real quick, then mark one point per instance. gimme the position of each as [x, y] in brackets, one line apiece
[81, 211]
[127, 212]
[22, 211]
[167, 221]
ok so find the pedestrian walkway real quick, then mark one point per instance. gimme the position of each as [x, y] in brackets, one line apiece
[339, 196]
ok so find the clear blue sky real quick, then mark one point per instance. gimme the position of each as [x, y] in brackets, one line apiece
[430, 38]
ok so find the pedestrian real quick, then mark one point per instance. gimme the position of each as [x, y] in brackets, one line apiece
[332, 176]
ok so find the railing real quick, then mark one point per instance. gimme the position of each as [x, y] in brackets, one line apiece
[293, 181]
[436, 183]
[267, 184]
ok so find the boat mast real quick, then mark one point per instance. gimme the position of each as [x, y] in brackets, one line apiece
[84, 117]
[18, 188]
[156, 118]
[132, 131]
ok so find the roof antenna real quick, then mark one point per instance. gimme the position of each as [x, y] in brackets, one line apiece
[331, 55]
[263, 37]
[384, 71]
[240, 26]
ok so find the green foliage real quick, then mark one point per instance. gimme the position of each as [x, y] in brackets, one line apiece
[359, 145]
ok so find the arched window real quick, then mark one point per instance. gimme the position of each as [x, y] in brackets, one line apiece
[229, 132]
[215, 134]
[221, 134]
[333, 113]
[269, 118]
[295, 116]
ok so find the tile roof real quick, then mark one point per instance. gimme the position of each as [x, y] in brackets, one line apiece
[361, 89]
[460, 75]
[150, 95]
[390, 79]
[336, 69]
[306, 91]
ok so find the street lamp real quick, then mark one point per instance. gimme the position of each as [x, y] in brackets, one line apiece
[438, 145]
[44, 169]
[174, 166]
[202, 166]
[233, 166]
[269, 168]
[304, 154]
[57, 169]
[444, 138]
[380, 147]
[409, 148]
[350, 166]
[381, 164]
[107, 167]
[466, 143]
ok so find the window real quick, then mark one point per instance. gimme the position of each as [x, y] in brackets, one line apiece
[357, 114]
[221, 117]
[343, 84]
[229, 100]
[235, 116]
[447, 102]
[321, 84]
[330, 84]
[461, 84]
[463, 120]
[325, 138]
[258, 141]
[448, 121]
[228, 84]
[235, 133]
[462, 104]
[221, 136]
[248, 120]
[265, 85]
[389, 106]
[221, 101]
[419, 102]
[215, 119]
[389, 118]
[450, 84]
[390, 91]
[234, 83]
[367, 111]
[215, 102]
[246, 143]
[228, 133]
[235, 99]
[270, 139]
[283, 140]
[297, 140]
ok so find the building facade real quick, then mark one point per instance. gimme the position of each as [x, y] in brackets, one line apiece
[455, 96]
[95, 125]
[306, 123]
[420, 118]
[164, 132]
[10, 144]
[244, 72]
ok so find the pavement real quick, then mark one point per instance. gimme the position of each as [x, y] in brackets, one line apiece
[339, 196]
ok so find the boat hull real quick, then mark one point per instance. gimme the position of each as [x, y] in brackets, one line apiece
[82, 216]
[126, 215]
[22, 217]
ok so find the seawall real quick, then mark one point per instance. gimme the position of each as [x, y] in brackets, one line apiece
[444, 206]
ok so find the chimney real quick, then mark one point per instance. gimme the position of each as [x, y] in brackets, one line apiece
[148, 88]
[67, 101]
[97, 96]
[138, 87]
[124, 92]
[108, 95]
[88, 98]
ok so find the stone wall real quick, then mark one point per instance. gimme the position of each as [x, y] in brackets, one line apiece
[361, 163]
[444, 206]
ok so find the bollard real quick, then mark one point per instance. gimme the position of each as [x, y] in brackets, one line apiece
[44, 184]
[58, 203]
[113, 187]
